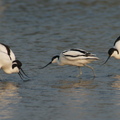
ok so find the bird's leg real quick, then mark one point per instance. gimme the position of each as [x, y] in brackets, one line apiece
[91, 69]
[80, 72]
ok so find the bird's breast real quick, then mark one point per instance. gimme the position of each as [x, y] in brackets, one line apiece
[116, 55]
[9, 70]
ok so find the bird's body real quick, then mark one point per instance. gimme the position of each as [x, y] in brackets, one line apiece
[74, 57]
[8, 62]
[115, 50]
[6, 49]
[117, 46]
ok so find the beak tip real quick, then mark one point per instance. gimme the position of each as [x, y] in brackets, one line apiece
[22, 74]
[106, 60]
[45, 65]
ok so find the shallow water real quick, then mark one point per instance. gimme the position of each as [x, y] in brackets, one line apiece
[36, 31]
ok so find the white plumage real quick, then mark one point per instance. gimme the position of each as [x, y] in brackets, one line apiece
[6, 49]
[8, 62]
[74, 57]
[117, 43]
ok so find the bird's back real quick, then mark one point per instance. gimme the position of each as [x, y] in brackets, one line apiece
[117, 45]
[76, 57]
[74, 54]
[6, 49]
[4, 60]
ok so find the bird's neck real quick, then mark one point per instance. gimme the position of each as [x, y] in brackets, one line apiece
[9, 70]
[116, 55]
[57, 60]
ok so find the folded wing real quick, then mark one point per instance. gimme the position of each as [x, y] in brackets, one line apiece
[74, 54]
[6, 49]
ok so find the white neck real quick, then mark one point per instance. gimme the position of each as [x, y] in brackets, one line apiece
[116, 55]
[9, 70]
[56, 60]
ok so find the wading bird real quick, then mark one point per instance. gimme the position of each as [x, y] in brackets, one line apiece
[74, 57]
[115, 51]
[8, 62]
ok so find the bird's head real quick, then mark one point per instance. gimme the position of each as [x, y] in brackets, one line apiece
[53, 60]
[16, 66]
[111, 52]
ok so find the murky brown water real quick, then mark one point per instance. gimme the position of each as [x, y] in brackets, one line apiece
[36, 30]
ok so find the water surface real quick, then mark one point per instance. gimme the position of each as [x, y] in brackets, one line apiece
[36, 31]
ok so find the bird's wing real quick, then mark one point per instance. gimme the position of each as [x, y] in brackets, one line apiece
[4, 59]
[117, 40]
[12, 55]
[76, 53]
[117, 45]
[73, 54]
[6, 49]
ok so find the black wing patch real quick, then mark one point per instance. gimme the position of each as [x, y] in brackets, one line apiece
[86, 54]
[8, 49]
[73, 55]
[82, 51]
[117, 40]
[79, 50]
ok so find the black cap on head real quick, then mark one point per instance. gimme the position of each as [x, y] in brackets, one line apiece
[16, 63]
[110, 52]
[57, 56]
[54, 57]
[22, 74]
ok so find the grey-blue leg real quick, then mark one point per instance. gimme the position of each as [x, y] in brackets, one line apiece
[91, 69]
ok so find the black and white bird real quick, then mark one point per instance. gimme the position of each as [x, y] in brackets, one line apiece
[115, 51]
[74, 57]
[8, 62]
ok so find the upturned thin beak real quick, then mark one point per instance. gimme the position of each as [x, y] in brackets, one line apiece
[106, 60]
[46, 65]
[23, 75]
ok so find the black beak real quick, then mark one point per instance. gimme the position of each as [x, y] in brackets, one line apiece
[106, 60]
[23, 75]
[46, 65]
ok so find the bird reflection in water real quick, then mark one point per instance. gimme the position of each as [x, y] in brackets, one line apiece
[8, 85]
[116, 84]
[9, 98]
[63, 84]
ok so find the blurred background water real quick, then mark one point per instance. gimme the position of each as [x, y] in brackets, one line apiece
[36, 30]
